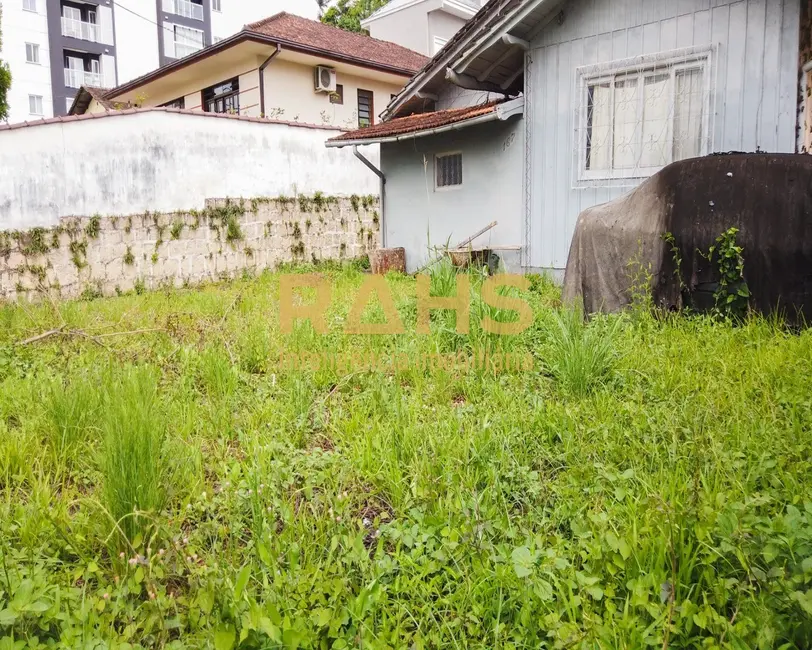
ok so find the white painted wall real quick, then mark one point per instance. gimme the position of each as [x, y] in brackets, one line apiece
[20, 27]
[289, 86]
[754, 91]
[417, 216]
[155, 160]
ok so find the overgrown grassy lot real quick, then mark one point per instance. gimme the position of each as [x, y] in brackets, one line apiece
[647, 484]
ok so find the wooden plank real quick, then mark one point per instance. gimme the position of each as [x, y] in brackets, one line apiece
[668, 34]
[788, 93]
[771, 81]
[564, 147]
[651, 38]
[719, 28]
[634, 41]
[734, 89]
[753, 83]
[702, 28]
[685, 30]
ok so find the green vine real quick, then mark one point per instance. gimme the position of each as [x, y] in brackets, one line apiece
[732, 294]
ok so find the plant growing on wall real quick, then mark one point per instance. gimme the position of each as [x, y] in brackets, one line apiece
[5, 76]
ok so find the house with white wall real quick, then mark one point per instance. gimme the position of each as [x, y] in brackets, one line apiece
[538, 109]
[421, 25]
[284, 67]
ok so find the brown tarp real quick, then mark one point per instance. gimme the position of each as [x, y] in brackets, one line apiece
[768, 197]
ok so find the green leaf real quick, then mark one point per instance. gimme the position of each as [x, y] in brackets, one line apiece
[7, 617]
[544, 590]
[224, 637]
[523, 561]
[596, 592]
[242, 582]
[804, 600]
[22, 596]
[291, 638]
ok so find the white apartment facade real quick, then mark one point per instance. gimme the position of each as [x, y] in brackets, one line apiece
[424, 26]
[55, 46]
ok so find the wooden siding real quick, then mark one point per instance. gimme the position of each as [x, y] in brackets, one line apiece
[754, 94]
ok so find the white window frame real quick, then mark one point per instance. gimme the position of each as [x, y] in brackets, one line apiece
[30, 5]
[665, 62]
[181, 33]
[217, 5]
[449, 188]
[38, 99]
[34, 60]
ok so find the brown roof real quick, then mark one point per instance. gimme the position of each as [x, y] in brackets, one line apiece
[418, 122]
[85, 95]
[316, 35]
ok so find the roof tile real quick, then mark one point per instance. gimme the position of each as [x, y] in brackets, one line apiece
[314, 34]
[418, 122]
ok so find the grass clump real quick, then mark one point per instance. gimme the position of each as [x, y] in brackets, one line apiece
[579, 355]
[132, 463]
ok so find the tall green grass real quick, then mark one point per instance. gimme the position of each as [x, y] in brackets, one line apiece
[133, 464]
[579, 355]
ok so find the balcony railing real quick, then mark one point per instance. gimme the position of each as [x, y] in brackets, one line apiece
[80, 29]
[189, 9]
[76, 78]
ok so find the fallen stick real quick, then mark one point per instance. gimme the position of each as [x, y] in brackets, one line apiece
[44, 335]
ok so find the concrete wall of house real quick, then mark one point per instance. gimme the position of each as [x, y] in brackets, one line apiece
[289, 93]
[407, 27]
[754, 90]
[289, 87]
[442, 25]
[161, 161]
[417, 216]
[153, 250]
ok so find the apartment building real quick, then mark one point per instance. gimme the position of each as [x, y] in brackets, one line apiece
[54, 47]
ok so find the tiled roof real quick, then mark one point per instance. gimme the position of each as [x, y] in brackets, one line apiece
[160, 109]
[312, 34]
[98, 95]
[85, 95]
[418, 122]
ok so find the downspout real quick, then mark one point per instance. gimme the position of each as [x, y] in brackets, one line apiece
[380, 175]
[262, 79]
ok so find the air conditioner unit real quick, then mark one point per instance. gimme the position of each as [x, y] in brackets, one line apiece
[325, 79]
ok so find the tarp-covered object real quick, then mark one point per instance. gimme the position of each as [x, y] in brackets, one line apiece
[768, 197]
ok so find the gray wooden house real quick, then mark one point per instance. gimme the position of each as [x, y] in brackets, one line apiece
[538, 109]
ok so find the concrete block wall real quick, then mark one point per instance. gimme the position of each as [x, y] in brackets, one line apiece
[111, 254]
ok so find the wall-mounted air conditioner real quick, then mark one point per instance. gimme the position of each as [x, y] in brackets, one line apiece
[325, 79]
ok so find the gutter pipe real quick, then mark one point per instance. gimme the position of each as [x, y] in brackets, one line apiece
[382, 190]
[262, 78]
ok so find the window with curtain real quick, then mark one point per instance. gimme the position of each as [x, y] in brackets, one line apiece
[635, 121]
